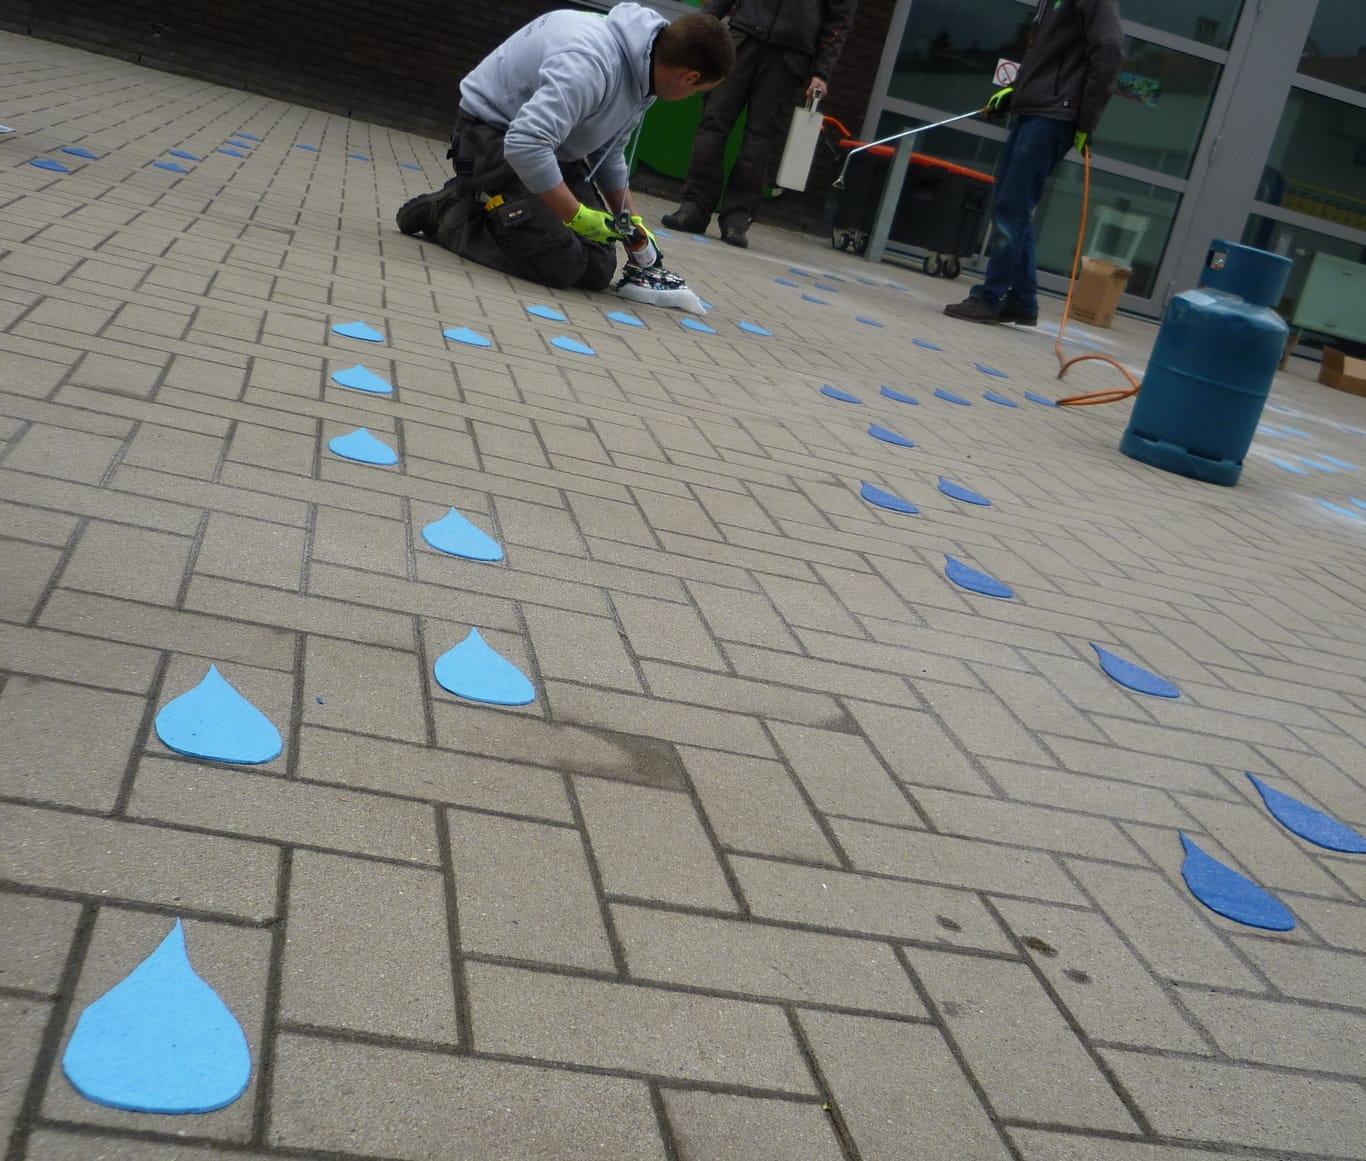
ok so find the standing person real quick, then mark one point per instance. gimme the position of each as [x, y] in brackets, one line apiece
[1064, 81]
[778, 45]
[542, 127]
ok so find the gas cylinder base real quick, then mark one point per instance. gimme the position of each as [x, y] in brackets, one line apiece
[1182, 461]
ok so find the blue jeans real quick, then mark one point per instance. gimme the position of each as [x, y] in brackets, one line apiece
[1033, 148]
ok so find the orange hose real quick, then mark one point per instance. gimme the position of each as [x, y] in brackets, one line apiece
[1114, 394]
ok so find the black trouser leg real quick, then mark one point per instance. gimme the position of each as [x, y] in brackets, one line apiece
[720, 109]
[774, 91]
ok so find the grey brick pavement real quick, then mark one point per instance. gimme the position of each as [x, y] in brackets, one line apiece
[800, 853]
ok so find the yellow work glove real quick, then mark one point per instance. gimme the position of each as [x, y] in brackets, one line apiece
[998, 104]
[1079, 141]
[639, 223]
[593, 225]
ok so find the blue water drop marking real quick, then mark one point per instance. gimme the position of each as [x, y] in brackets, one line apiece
[887, 435]
[959, 492]
[409, 165]
[161, 1040]
[573, 346]
[701, 239]
[999, 400]
[236, 144]
[785, 282]
[950, 397]
[1295, 431]
[171, 165]
[754, 329]
[813, 298]
[80, 151]
[926, 345]
[363, 447]
[1358, 502]
[882, 498]
[1225, 892]
[1338, 509]
[359, 330]
[214, 721]
[688, 323]
[842, 396]
[1281, 408]
[866, 321]
[966, 577]
[1323, 830]
[1287, 466]
[1134, 677]
[359, 378]
[357, 157]
[663, 234]
[468, 337]
[705, 304]
[457, 536]
[184, 154]
[797, 270]
[230, 152]
[992, 371]
[1317, 465]
[1041, 400]
[825, 286]
[1337, 463]
[626, 319]
[898, 396]
[307, 148]
[48, 163]
[540, 310]
[866, 281]
[476, 671]
[1269, 429]
[248, 136]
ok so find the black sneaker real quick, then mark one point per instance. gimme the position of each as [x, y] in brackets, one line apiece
[687, 219]
[735, 234]
[1012, 313]
[973, 310]
[421, 214]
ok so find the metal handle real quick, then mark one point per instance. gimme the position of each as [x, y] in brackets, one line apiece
[839, 181]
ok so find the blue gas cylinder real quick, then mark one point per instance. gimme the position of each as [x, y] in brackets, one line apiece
[1211, 368]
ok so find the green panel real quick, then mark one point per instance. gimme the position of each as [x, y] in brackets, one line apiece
[667, 133]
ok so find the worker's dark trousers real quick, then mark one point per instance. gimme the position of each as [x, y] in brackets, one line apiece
[518, 235]
[769, 80]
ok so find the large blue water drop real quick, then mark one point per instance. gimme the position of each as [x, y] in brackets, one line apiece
[813, 298]
[625, 318]
[1312, 825]
[230, 152]
[573, 346]
[214, 721]
[1041, 400]
[1286, 465]
[248, 136]
[540, 310]
[307, 148]
[924, 344]
[359, 330]
[950, 397]
[171, 165]
[184, 154]
[48, 163]
[359, 378]
[456, 536]
[357, 157]
[993, 397]
[80, 151]
[688, 323]
[468, 337]
[1133, 676]
[887, 435]
[785, 282]
[159, 1041]
[409, 165]
[842, 396]
[898, 396]
[364, 448]
[1230, 894]
[476, 671]
[966, 577]
[866, 321]
[959, 492]
[754, 329]
[992, 371]
[889, 500]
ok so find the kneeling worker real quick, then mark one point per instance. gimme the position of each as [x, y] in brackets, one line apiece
[542, 128]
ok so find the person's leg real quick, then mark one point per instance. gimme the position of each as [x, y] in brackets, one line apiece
[421, 214]
[773, 95]
[1052, 140]
[706, 169]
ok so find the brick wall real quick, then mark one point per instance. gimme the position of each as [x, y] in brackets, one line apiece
[396, 62]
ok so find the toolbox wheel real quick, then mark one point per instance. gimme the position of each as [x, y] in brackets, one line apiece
[952, 267]
[840, 239]
[933, 264]
[861, 242]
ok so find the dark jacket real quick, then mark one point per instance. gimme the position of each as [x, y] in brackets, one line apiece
[1074, 54]
[815, 27]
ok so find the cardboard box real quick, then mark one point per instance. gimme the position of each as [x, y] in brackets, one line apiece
[1343, 372]
[1095, 294]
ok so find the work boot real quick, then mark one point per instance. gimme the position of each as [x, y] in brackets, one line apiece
[735, 231]
[688, 219]
[973, 310]
[1013, 312]
[421, 214]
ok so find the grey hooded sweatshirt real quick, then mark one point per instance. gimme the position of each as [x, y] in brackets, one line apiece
[569, 86]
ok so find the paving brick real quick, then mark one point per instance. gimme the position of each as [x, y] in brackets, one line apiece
[524, 891]
[954, 861]
[61, 452]
[268, 447]
[360, 541]
[22, 1024]
[611, 520]
[740, 616]
[580, 648]
[233, 960]
[1043, 1145]
[764, 961]
[843, 775]
[811, 606]
[743, 695]
[667, 630]
[252, 551]
[710, 1126]
[324, 1098]
[1220, 1101]
[511, 585]
[1132, 766]
[621, 1026]
[1103, 796]
[916, 747]
[730, 508]
[828, 676]
[38, 934]
[1338, 924]
[650, 844]
[46, 653]
[899, 1083]
[180, 453]
[25, 572]
[539, 526]
[1310, 973]
[364, 688]
[1280, 1034]
[127, 562]
[367, 949]
[33, 524]
[1004, 1023]
[976, 816]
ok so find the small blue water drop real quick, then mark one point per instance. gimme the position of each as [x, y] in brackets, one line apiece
[842, 396]
[950, 397]
[663, 234]
[898, 396]
[1338, 509]
[886, 435]
[1001, 400]
[825, 286]
[364, 448]
[214, 721]
[1286, 465]
[240, 144]
[456, 536]
[1041, 400]
[867, 281]
[701, 239]
[966, 577]
[80, 151]
[959, 492]
[785, 282]
[1323, 830]
[754, 329]
[889, 500]
[161, 1040]
[1295, 431]
[688, 323]
[248, 136]
[1358, 502]
[476, 671]
[230, 152]
[171, 165]
[1133, 676]
[866, 321]
[307, 148]
[359, 378]
[995, 374]
[358, 330]
[706, 305]
[185, 154]
[48, 163]
[1337, 463]
[357, 157]
[409, 165]
[573, 346]
[925, 344]
[813, 298]
[468, 337]
[1317, 465]
[540, 310]
[1227, 893]
[800, 272]
[623, 317]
